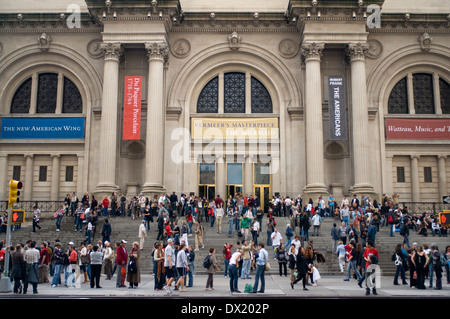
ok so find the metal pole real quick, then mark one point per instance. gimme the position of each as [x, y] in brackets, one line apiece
[5, 282]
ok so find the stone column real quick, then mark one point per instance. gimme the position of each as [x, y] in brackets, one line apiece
[108, 129]
[28, 183]
[221, 176]
[54, 188]
[360, 119]
[248, 175]
[415, 188]
[442, 176]
[154, 157]
[315, 181]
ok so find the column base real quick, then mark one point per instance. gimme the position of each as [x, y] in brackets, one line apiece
[363, 189]
[313, 191]
[149, 190]
[104, 189]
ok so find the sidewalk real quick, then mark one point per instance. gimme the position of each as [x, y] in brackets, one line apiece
[276, 287]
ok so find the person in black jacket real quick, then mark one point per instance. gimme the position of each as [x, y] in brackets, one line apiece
[301, 269]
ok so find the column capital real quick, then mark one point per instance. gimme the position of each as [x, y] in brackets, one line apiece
[157, 50]
[312, 50]
[357, 51]
[28, 155]
[112, 50]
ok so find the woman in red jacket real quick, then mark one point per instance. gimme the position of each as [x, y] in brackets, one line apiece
[226, 256]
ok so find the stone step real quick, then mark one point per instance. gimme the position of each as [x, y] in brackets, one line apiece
[125, 228]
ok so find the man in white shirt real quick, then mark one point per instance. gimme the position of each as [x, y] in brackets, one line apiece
[263, 257]
[219, 216]
[233, 271]
[276, 240]
[169, 264]
[142, 234]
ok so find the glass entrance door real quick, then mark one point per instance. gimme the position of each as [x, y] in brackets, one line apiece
[208, 191]
[207, 180]
[261, 184]
[263, 193]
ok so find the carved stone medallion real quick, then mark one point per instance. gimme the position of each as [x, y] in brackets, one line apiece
[375, 49]
[93, 49]
[288, 48]
[181, 48]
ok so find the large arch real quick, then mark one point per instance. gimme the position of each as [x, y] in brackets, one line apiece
[386, 74]
[268, 68]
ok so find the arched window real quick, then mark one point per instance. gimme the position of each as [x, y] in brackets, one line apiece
[55, 93]
[444, 91]
[415, 93]
[208, 100]
[241, 93]
[398, 99]
[22, 98]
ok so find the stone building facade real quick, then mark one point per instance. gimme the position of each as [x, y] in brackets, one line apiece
[262, 97]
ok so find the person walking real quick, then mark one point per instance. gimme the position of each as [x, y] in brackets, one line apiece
[142, 234]
[121, 262]
[211, 269]
[282, 260]
[352, 258]
[58, 258]
[219, 217]
[158, 256]
[31, 257]
[399, 258]
[371, 257]
[134, 271]
[199, 234]
[261, 260]
[106, 231]
[233, 271]
[437, 267]
[96, 266]
[18, 269]
[108, 257]
[169, 264]
[245, 250]
[276, 240]
[190, 255]
[301, 269]
[182, 268]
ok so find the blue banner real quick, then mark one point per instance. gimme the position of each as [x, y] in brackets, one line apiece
[45, 128]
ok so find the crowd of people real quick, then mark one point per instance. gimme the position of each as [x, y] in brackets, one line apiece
[178, 220]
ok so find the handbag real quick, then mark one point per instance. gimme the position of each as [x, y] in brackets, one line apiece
[267, 266]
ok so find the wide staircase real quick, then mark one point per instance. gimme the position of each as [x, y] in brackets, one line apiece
[127, 229]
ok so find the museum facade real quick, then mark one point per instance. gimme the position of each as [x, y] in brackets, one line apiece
[303, 97]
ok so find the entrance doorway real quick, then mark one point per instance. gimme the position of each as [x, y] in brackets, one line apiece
[261, 184]
[263, 194]
[207, 180]
[208, 191]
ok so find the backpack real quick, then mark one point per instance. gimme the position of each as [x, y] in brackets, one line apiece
[132, 267]
[390, 219]
[207, 262]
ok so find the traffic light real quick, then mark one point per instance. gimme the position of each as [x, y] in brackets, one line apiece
[18, 216]
[444, 218]
[14, 192]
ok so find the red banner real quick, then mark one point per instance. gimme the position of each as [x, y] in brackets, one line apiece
[132, 108]
[417, 129]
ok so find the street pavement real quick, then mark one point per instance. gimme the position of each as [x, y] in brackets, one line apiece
[276, 287]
